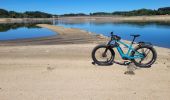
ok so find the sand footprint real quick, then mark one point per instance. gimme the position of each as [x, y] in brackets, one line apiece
[50, 68]
[130, 69]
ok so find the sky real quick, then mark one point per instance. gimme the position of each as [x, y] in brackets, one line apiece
[81, 6]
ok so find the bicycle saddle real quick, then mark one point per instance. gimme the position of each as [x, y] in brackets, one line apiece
[137, 35]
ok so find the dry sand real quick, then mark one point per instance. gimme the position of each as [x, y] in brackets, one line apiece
[65, 72]
[104, 19]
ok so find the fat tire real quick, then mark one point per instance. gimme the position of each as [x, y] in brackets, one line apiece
[110, 62]
[149, 64]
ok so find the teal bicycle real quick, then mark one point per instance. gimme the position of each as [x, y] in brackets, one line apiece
[143, 55]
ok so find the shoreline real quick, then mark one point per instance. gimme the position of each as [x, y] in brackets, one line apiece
[63, 36]
[158, 18]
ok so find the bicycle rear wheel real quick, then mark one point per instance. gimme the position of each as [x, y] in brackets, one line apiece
[149, 54]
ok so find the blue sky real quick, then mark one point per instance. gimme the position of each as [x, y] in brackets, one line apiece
[77, 6]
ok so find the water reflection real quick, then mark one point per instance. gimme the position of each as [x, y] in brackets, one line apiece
[12, 31]
[137, 24]
[9, 26]
[156, 32]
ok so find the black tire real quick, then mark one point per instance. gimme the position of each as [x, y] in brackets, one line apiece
[108, 61]
[150, 62]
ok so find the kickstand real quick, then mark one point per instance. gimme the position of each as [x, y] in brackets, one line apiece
[125, 63]
[93, 63]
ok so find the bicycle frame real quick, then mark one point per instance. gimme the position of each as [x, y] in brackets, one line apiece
[130, 49]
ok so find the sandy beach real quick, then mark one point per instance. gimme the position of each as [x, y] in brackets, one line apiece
[104, 19]
[65, 72]
[156, 18]
[59, 68]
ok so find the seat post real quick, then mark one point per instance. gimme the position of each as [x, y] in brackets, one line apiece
[133, 40]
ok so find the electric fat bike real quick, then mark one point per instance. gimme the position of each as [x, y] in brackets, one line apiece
[143, 55]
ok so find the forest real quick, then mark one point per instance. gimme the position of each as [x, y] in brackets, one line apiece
[38, 14]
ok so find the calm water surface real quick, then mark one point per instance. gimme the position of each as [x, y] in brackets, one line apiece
[156, 33]
[22, 31]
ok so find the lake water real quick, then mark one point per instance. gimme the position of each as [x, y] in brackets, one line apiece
[156, 33]
[22, 31]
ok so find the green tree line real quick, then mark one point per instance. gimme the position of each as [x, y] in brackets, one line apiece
[37, 14]
[27, 14]
[140, 12]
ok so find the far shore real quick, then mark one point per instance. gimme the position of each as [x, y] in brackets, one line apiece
[160, 18]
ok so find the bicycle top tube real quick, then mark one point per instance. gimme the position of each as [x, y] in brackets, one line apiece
[123, 43]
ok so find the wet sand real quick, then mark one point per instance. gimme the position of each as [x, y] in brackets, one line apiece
[63, 36]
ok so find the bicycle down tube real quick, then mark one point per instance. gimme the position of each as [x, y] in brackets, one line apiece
[130, 48]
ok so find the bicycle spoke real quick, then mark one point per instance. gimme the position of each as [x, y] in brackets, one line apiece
[148, 52]
[107, 59]
[141, 60]
[103, 55]
[142, 50]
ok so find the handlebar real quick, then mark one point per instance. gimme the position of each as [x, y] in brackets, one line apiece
[114, 37]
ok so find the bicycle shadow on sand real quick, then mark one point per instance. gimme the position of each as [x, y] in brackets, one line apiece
[131, 68]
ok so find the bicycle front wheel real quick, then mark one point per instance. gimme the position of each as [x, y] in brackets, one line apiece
[103, 55]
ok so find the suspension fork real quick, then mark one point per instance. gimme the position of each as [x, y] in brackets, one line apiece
[107, 47]
[104, 53]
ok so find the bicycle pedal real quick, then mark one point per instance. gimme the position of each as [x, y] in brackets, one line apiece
[127, 62]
